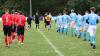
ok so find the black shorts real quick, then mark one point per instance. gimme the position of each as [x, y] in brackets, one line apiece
[7, 30]
[13, 28]
[20, 30]
[29, 22]
[47, 22]
[36, 22]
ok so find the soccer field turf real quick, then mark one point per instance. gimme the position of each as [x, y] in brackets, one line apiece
[39, 42]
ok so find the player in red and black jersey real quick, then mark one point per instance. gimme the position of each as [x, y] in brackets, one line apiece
[7, 22]
[21, 19]
[13, 27]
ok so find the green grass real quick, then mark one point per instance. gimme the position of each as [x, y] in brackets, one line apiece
[36, 45]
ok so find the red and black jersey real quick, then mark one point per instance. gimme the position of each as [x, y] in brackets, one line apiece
[6, 19]
[21, 19]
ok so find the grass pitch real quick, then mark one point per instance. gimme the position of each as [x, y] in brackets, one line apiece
[36, 45]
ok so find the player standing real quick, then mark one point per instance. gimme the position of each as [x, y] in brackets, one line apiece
[20, 27]
[29, 21]
[59, 22]
[7, 22]
[13, 27]
[48, 20]
[73, 17]
[65, 19]
[37, 20]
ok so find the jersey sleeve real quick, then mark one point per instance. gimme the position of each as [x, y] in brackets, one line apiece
[2, 18]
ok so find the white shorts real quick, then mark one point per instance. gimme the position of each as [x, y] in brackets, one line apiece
[92, 30]
[64, 26]
[58, 25]
[73, 24]
[85, 27]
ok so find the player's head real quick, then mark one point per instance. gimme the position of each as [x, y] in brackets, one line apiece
[6, 11]
[64, 12]
[72, 10]
[59, 13]
[13, 11]
[36, 13]
[49, 13]
[92, 9]
[79, 13]
[20, 12]
[46, 13]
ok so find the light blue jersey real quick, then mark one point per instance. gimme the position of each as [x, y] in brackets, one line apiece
[93, 19]
[85, 17]
[92, 26]
[79, 25]
[65, 19]
[59, 20]
[79, 20]
[73, 16]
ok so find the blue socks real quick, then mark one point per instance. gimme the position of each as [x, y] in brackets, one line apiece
[84, 35]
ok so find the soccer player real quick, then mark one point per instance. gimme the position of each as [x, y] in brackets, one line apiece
[48, 20]
[37, 20]
[79, 21]
[44, 18]
[65, 19]
[59, 22]
[13, 27]
[7, 21]
[85, 26]
[20, 21]
[73, 17]
[92, 21]
[29, 21]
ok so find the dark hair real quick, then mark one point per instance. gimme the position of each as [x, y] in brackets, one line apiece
[93, 9]
[13, 11]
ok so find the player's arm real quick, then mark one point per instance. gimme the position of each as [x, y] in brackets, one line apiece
[98, 20]
[69, 20]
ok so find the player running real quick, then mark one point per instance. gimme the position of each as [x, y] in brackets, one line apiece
[7, 22]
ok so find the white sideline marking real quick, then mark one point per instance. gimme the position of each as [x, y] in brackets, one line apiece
[50, 43]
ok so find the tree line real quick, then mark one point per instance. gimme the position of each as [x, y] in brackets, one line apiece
[53, 6]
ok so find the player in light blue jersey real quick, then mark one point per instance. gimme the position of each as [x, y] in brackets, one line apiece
[73, 17]
[65, 19]
[85, 26]
[79, 24]
[92, 21]
[59, 22]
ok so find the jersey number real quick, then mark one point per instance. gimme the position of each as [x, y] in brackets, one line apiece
[6, 19]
